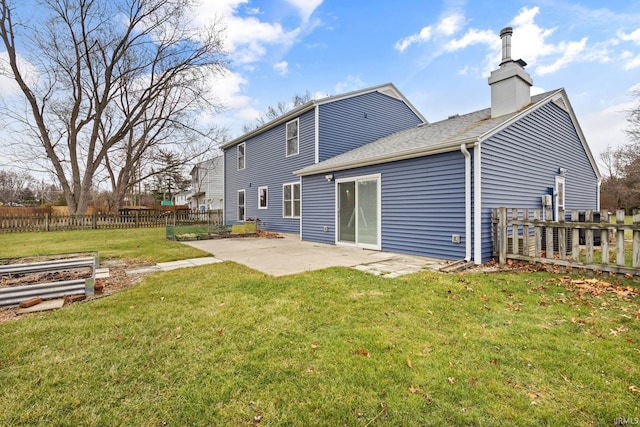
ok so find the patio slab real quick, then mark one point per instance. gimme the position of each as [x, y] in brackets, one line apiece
[290, 255]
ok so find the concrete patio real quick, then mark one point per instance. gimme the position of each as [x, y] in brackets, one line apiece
[290, 255]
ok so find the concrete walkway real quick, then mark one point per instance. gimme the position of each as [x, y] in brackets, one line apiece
[290, 255]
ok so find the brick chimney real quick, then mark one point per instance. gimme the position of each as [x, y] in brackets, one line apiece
[510, 83]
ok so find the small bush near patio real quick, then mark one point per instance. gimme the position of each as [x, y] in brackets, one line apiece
[225, 345]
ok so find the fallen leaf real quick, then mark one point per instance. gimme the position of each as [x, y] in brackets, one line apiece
[314, 346]
[472, 381]
[220, 332]
[451, 380]
[451, 365]
[413, 389]
[360, 352]
[495, 362]
[634, 389]
[409, 363]
[533, 395]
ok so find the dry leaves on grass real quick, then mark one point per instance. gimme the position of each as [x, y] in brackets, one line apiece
[596, 287]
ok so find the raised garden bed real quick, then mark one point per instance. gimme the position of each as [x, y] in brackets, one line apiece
[194, 231]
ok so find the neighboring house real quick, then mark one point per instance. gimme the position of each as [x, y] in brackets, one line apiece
[259, 166]
[428, 190]
[182, 198]
[207, 185]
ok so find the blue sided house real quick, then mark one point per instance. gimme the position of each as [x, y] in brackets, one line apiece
[366, 170]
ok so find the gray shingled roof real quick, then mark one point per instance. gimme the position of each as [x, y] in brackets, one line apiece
[419, 141]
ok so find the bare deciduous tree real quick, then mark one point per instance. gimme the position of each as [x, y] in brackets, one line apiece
[107, 85]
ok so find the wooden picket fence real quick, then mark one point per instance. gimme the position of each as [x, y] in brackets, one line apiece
[138, 219]
[522, 234]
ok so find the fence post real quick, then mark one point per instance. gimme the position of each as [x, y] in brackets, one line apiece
[46, 221]
[604, 239]
[562, 237]
[620, 237]
[502, 230]
[636, 242]
[588, 237]
[537, 234]
[575, 236]
[495, 224]
[515, 231]
[525, 233]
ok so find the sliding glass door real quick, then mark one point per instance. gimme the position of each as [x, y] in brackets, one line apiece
[358, 215]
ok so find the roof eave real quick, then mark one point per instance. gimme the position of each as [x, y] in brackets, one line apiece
[403, 155]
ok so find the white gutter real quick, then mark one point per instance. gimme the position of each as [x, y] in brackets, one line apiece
[477, 203]
[467, 201]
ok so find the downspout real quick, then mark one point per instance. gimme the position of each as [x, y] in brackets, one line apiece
[316, 129]
[477, 202]
[467, 201]
[598, 195]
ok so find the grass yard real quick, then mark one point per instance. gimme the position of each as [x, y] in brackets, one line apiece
[144, 244]
[226, 345]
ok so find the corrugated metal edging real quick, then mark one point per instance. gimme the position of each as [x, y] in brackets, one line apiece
[14, 295]
[55, 265]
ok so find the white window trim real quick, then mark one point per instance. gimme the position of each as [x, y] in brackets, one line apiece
[286, 131]
[244, 198]
[266, 188]
[291, 184]
[244, 156]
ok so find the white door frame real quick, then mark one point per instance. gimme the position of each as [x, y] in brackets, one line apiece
[378, 178]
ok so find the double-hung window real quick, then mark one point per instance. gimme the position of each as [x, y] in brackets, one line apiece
[291, 200]
[293, 139]
[263, 197]
[241, 155]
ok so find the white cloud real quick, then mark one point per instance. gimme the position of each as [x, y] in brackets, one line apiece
[633, 62]
[533, 43]
[226, 88]
[305, 7]
[472, 37]
[248, 36]
[282, 68]
[446, 27]
[571, 52]
[8, 86]
[450, 25]
[632, 37]
[350, 84]
[422, 37]
[606, 127]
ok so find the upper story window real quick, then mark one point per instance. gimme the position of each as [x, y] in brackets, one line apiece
[241, 160]
[293, 139]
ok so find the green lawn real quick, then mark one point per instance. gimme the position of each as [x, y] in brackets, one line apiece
[145, 244]
[225, 345]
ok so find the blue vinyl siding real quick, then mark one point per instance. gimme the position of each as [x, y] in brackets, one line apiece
[422, 205]
[267, 165]
[521, 162]
[350, 123]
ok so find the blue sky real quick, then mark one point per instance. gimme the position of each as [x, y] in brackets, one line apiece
[438, 54]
